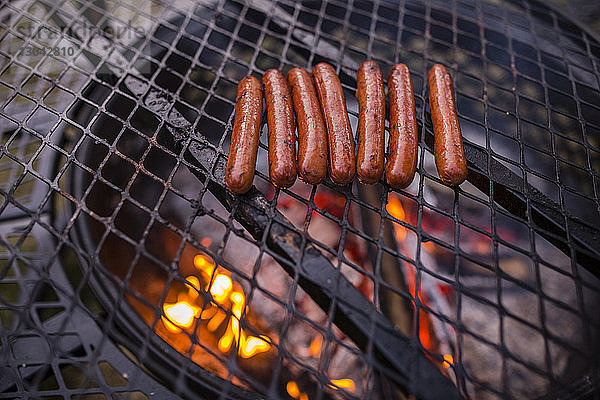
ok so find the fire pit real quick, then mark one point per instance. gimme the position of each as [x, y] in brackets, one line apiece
[129, 270]
[202, 302]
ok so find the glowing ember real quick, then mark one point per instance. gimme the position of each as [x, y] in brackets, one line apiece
[181, 314]
[347, 384]
[448, 360]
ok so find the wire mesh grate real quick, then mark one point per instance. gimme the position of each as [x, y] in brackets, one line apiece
[104, 222]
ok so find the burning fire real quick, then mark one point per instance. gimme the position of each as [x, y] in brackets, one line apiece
[448, 360]
[182, 314]
[396, 210]
[213, 303]
[294, 391]
[347, 384]
[315, 346]
[226, 296]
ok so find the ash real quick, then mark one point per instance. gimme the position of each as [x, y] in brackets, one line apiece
[529, 327]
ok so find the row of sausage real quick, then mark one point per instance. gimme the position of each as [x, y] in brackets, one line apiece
[324, 128]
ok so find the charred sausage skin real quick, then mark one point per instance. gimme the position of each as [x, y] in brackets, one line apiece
[312, 139]
[339, 134]
[449, 153]
[371, 123]
[402, 150]
[244, 137]
[282, 138]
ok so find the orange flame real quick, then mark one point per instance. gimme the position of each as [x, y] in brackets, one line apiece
[345, 383]
[448, 360]
[224, 296]
[226, 341]
[216, 320]
[204, 263]
[429, 246]
[253, 345]
[221, 287]
[248, 345]
[180, 314]
[395, 209]
[194, 289]
[315, 346]
[233, 328]
[292, 389]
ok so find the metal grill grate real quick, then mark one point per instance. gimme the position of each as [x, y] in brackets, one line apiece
[106, 201]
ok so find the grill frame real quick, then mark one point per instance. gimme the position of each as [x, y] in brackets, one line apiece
[570, 246]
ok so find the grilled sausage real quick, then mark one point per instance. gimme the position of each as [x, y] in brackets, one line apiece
[339, 134]
[449, 153]
[312, 140]
[371, 122]
[402, 150]
[244, 138]
[282, 138]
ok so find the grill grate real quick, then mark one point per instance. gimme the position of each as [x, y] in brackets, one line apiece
[98, 189]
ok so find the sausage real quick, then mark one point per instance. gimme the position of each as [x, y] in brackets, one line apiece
[371, 122]
[402, 150]
[244, 137]
[339, 134]
[312, 139]
[449, 153]
[282, 127]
